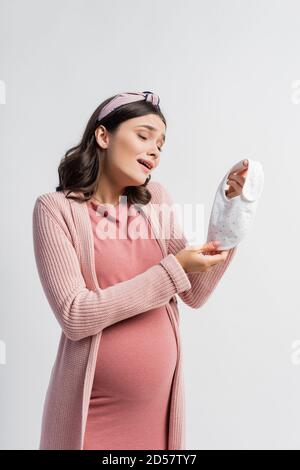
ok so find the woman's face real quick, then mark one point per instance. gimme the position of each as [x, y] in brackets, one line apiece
[131, 142]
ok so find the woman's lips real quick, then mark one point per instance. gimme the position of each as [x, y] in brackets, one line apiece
[143, 167]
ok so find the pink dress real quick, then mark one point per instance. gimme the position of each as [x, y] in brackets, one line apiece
[130, 398]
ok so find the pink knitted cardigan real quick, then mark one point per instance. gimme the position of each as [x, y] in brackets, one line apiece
[64, 253]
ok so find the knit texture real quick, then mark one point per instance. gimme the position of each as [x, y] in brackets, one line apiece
[64, 254]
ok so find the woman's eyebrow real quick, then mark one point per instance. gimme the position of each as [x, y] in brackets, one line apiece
[152, 129]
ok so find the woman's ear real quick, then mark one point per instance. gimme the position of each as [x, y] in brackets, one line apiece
[101, 136]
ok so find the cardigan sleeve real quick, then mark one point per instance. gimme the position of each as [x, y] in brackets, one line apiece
[82, 312]
[202, 283]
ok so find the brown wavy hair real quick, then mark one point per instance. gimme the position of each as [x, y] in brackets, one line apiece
[79, 169]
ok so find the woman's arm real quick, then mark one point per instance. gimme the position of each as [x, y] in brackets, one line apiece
[82, 312]
[202, 283]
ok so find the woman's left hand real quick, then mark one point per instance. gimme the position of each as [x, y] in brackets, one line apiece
[236, 179]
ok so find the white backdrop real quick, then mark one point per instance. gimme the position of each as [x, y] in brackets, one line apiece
[227, 73]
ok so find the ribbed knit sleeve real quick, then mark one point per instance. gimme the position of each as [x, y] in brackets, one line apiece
[202, 283]
[82, 312]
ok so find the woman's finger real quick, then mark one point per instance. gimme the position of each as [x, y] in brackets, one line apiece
[231, 192]
[236, 186]
[240, 166]
[239, 179]
[211, 260]
[244, 168]
[231, 195]
[210, 245]
[239, 170]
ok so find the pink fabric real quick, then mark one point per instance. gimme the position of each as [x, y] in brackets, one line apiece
[129, 405]
[64, 253]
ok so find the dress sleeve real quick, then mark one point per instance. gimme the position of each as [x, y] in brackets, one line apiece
[231, 219]
[82, 312]
[202, 283]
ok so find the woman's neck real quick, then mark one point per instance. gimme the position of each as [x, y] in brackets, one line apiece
[106, 192]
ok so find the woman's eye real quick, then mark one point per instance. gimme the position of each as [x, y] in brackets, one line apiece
[145, 138]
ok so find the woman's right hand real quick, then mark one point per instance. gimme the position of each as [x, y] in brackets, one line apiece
[201, 258]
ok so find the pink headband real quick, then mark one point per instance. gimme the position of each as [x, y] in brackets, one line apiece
[124, 98]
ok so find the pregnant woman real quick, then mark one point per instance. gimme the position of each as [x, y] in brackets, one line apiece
[110, 270]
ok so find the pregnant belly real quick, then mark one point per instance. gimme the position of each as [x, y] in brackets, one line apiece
[136, 358]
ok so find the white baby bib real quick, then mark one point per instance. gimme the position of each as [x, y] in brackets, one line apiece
[230, 219]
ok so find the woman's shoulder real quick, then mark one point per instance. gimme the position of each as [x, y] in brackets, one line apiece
[51, 195]
[53, 206]
[56, 201]
[52, 201]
